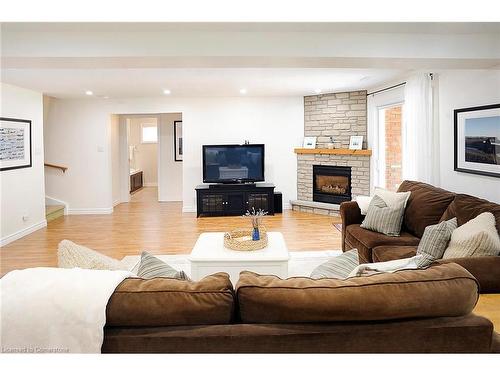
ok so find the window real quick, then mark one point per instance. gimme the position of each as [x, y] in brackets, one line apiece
[149, 133]
[390, 158]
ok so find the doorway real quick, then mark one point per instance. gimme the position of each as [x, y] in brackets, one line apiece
[142, 139]
[143, 158]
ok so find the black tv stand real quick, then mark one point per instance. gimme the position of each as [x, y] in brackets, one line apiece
[234, 199]
[235, 185]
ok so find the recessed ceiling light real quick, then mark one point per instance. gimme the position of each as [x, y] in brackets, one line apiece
[166, 91]
[88, 92]
[243, 91]
[317, 91]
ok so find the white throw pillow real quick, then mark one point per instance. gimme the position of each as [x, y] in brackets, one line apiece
[363, 203]
[477, 237]
[71, 255]
[391, 198]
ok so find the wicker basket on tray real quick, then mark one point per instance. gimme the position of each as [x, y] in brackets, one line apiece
[241, 240]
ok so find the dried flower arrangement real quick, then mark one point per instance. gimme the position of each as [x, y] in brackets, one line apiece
[255, 216]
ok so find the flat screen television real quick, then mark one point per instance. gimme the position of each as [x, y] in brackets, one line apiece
[233, 163]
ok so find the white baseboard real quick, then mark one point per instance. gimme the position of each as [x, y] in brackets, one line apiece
[116, 203]
[23, 232]
[287, 206]
[90, 211]
[188, 209]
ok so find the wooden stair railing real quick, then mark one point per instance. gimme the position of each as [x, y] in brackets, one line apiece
[62, 168]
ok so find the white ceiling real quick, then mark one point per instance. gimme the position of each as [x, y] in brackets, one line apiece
[123, 83]
[218, 59]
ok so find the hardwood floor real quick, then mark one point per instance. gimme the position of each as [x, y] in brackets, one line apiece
[162, 228]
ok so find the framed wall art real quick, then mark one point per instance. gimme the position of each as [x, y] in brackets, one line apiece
[477, 140]
[15, 143]
[178, 146]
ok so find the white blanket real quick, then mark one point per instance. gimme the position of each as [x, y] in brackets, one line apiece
[389, 266]
[55, 310]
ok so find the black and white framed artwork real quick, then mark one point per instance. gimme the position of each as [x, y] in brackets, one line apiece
[178, 146]
[15, 143]
[477, 140]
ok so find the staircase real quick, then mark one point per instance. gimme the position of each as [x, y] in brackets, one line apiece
[53, 211]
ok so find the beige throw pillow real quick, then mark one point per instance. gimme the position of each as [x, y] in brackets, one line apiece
[71, 255]
[476, 238]
[383, 218]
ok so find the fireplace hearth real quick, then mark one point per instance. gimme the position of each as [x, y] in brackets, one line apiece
[331, 184]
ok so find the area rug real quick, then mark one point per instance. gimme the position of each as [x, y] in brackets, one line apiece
[301, 263]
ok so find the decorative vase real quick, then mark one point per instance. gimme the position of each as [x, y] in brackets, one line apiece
[255, 234]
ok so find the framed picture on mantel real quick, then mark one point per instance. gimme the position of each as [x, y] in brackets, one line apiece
[477, 140]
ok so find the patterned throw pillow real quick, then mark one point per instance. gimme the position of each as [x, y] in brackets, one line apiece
[383, 218]
[151, 267]
[338, 267]
[434, 241]
[477, 237]
[71, 255]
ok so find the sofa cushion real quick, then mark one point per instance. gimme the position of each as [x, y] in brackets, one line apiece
[151, 267]
[425, 206]
[168, 302]
[383, 218]
[434, 241]
[441, 290]
[466, 207]
[478, 237]
[485, 269]
[387, 253]
[71, 255]
[338, 267]
[365, 240]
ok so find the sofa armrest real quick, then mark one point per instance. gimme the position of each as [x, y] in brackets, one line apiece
[350, 214]
[485, 269]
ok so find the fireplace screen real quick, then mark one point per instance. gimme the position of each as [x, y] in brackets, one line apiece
[331, 184]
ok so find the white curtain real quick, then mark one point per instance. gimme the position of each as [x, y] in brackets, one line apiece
[419, 134]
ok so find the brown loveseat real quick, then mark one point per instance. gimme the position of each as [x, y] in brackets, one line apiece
[427, 205]
[407, 311]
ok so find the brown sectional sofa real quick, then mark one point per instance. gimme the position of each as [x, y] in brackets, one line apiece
[425, 311]
[427, 205]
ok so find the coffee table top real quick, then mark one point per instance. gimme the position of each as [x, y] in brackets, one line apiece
[210, 247]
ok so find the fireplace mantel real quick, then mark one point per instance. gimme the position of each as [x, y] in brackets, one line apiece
[332, 151]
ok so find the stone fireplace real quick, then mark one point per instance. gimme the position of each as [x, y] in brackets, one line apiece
[327, 177]
[331, 184]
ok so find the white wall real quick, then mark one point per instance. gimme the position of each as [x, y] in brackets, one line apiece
[114, 133]
[170, 188]
[276, 122]
[79, 127]
[461, 89]
[145, 154]
[22, 190]
[77, 135]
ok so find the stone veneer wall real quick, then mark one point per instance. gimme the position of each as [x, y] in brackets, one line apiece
[339, 115]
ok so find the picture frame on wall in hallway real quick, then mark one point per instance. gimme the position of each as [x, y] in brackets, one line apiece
[178, 146]
[477, 140]
[15, 141]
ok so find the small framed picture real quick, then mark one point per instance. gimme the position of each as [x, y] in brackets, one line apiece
[309, 142]
[15, 138]
[356, 142]
[178, 140]
[477, 140]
